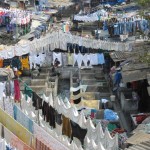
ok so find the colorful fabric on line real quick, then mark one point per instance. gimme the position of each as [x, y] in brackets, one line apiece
[1, 63]
[22, 133]
[27, 91]
[47, 139]
[20, 117]
[17, 91]
[25, 63]
[41, 146]
[14, 140]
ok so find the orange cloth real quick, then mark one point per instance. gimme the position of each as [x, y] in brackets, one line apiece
[1, 63]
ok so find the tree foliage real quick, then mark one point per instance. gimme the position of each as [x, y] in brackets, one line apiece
[144, 2]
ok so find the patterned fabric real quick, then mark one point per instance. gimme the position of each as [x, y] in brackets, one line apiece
[20, 117]
[16, 128]
[47, 139]
[41, 146]
[14, 140]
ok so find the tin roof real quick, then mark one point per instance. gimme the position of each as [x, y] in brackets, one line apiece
[118, 56]
[141, 146]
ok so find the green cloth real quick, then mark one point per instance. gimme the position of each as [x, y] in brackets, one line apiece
[16, 63]
[27, 91]
[111, 127]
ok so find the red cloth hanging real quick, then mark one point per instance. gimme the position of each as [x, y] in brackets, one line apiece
[17, 96]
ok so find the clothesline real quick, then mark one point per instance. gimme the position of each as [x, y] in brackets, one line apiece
[60, 40]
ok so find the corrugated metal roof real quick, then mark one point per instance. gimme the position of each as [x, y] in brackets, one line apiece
[139, 138]
[118, 56]
[135, 75]
[141, 146]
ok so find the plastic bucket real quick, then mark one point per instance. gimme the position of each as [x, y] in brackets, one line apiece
[112, 97]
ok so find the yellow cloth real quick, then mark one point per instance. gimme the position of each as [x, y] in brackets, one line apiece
[70, 59]
[66, 127]
[16, 128]
[88, 95]
[84, 95]
[25, 63]
[90, 103]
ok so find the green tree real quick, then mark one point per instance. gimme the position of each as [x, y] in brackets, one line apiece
[144, 2]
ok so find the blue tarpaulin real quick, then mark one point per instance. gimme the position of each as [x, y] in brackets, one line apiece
[112, 2]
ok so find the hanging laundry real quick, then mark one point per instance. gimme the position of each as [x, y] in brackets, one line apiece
[45, 111]
[66, 127]
[85, 60]
[9, 86]
[14, 140]
[2, 144]
[57, 56]
[16, 128]
[75, 57]
[25, 63]
[1, 63]
[64, 59]
[7, 106]
[48, 139]
[78, 132]
[65, 27]
[76, 92]
[77, 101]
[58, 118]
[6, 62]
[20, 117]
[17, 95]
[39, 145]
[37, 101]
[49, 57]
[27, 91]
[90, 103]
[16, 63]
[79, 60]
[8, 72]
[101, 59]
[52, 117]
[2, 88]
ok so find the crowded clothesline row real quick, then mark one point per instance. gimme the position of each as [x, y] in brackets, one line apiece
[28, 124]
[49, 57]
[124, 28]
[35, 102]
[12, 140]
[23, 122]
[103, 15]
[4, 145]
[72, 113]
[29, 138]
[105, 139]
[60, 40]
[60, 106]
[92, 17]
[52, 102]
[14, 17]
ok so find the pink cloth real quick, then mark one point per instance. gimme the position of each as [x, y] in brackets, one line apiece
[17, 90]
